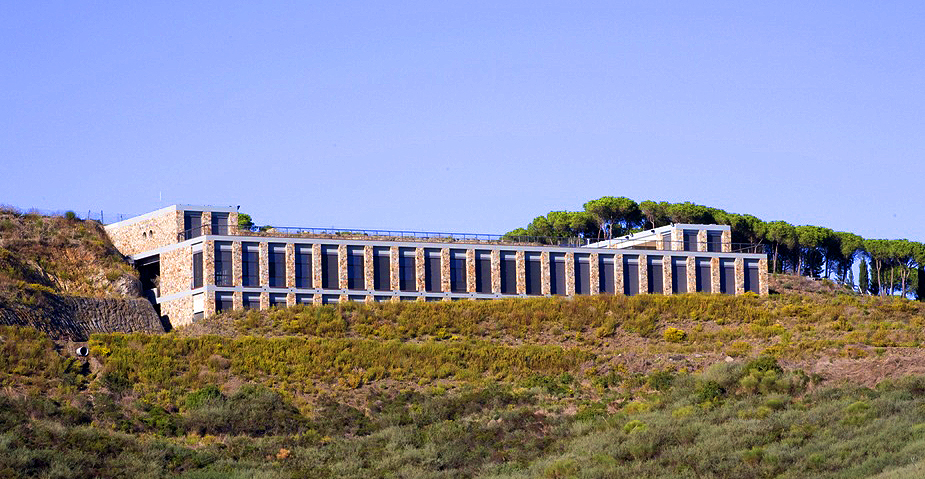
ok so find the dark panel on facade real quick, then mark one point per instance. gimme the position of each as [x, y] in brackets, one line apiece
[406, 269]
[655, 275]
[355, 268]
[277, 265]
[703, 275]
[197, 269]
[304, 299]
[224, 302]
[630, 275]
[303, 266]
[690, 240]
[714, 241]
[277, 299]
[508, 272]
[329, 277]
[329, 299]
[219, 223]
[606, 275]
[357, 298]
[666, 242]
[223, 275]
[679, 275]
[250, 264]
[381, 269]
[557, 273]
[727, 276]
[192, 224]
[251, 300]
[582, 274]
[751, 275]
[483, 271]
[458, 270]
[432, 280]
[534, 273]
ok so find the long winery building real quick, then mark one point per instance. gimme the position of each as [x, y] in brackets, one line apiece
[195, 261]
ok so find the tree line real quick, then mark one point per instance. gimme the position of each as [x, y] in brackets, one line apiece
[887, 266]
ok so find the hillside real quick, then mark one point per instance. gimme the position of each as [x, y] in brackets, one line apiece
[63, 276]
[811, 385]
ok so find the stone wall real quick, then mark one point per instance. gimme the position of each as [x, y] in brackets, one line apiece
[146, 234]
[74, 318]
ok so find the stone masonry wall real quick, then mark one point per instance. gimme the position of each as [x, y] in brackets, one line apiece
[595, 273]
[715, 273]
[147, 234]
[667, 274]
[643, 274]
[691, 274]
[176, 271]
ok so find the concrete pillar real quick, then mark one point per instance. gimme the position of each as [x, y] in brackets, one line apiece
[495, 271]
[290, 269]
[208, 304]
[618, 274]
[691, 274]
[236, 267]
[445, 284]
[264, 260]
[369, 273]
[206, 223]
[343, 298]
[520, 259]
[544, 266]
[727, 241]
[342, 282]
[208, 264]
[659, 244]
[595, 263]
[316, 270]
[643, 274]
[290, 299]
[237, 300]
[393, 268]
[316, 298]
[715, 273]
[471, 283]
[763, 276]
[702, 240]
[740, 276]
[677, 239]
[570, 274]
[420, 274]
[667, 272]
[264, 300]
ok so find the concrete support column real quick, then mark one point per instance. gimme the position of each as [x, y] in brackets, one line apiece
[237, 300]
[570, 274]
[667, 273]
[495, 271]
[342, 266]
[677, 239]
[264, 300]
[595, 263]
[420, 273]
[727, 242]
[290, 299]
[290, 269]
[618, 274]
[659, 244]
[715, 273]
[643, 274]
[763, 276]
[206, 222]
[208, 304]
[316, 298]
[393, 269]
[702, 240]
[445, 284]
[691, 274]
[740, 276]
[236, 267]
[316, 270]
[544, 267]
[369, 273]
[471, 284]
[208, 264]
[264, 261]
[520, 259]
[343, 298]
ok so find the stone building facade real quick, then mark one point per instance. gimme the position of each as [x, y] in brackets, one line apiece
[194, 262]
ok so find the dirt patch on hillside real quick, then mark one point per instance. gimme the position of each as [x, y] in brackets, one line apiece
[896, 363]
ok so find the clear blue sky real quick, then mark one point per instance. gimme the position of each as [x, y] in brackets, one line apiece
[467, 116]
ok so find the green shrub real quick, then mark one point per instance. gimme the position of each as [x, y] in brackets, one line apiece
[674, 335]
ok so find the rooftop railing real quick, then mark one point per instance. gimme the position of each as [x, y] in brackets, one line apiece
[444, 237]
